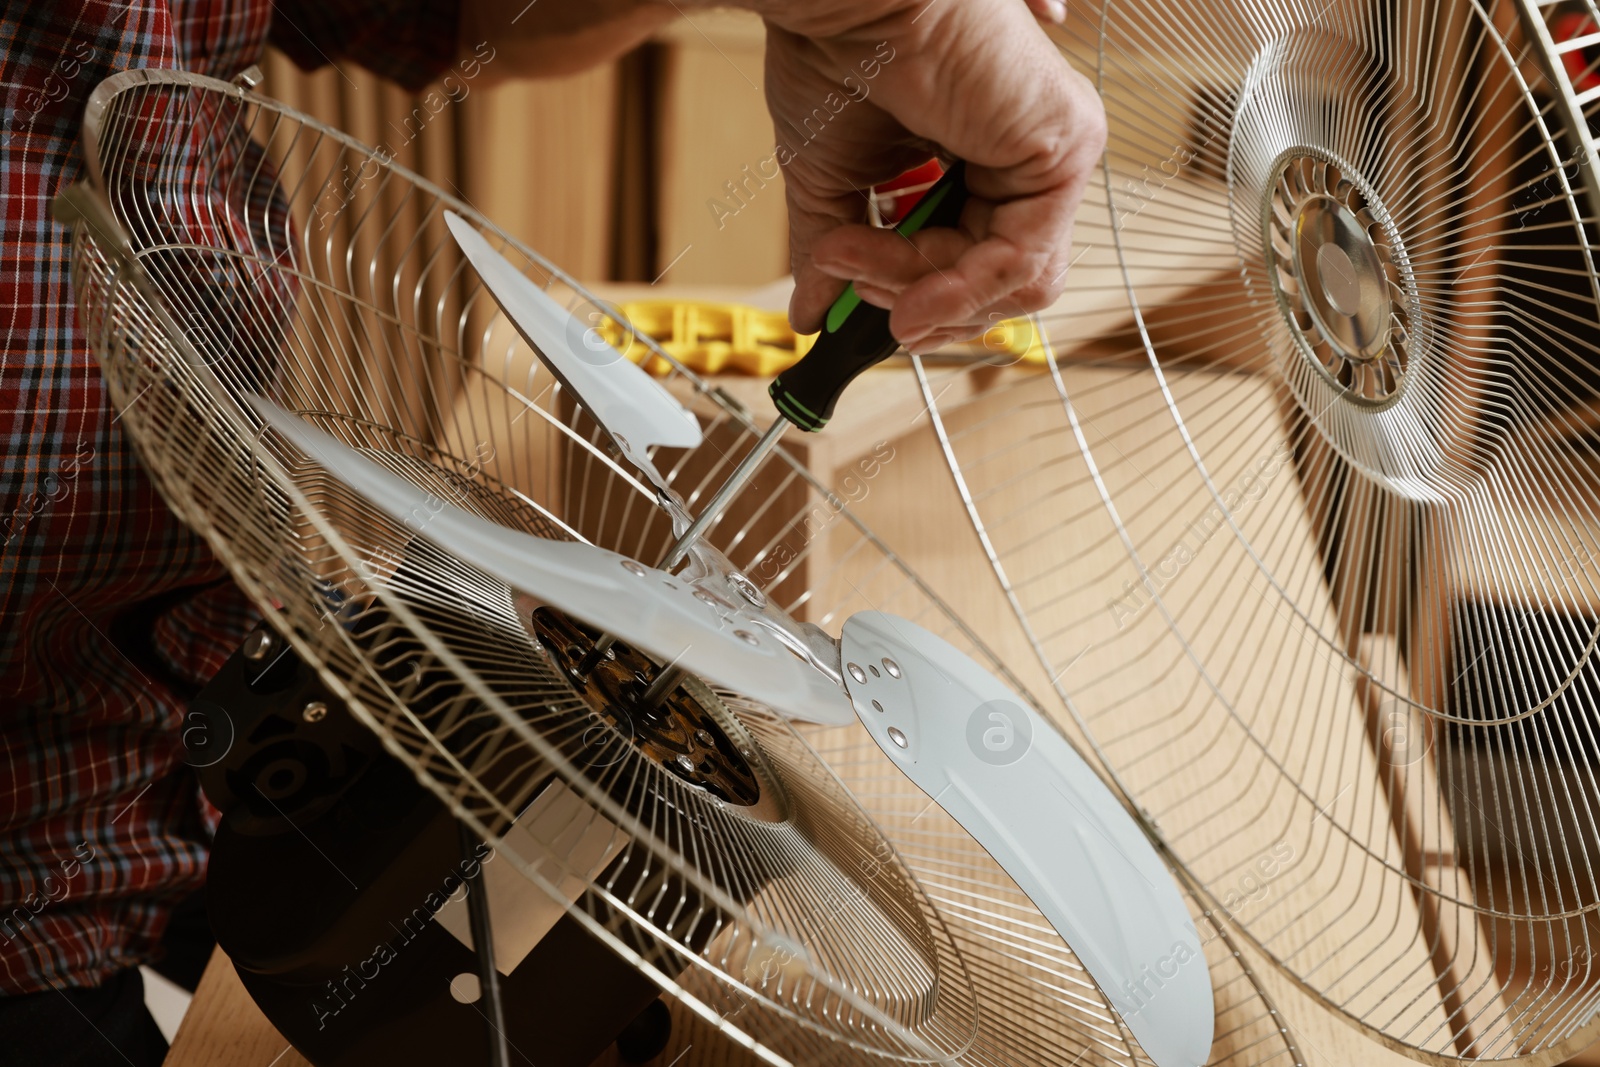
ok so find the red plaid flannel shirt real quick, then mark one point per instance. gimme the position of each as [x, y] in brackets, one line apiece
[111, 612]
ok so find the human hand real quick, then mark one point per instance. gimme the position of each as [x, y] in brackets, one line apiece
[861, 91]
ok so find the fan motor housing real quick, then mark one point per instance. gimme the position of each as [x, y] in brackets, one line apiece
[325, 905]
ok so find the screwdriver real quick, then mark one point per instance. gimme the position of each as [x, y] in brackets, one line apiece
[855, 337]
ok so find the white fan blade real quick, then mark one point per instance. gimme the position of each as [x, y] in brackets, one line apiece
[671, 620]
[635, 409]
[1026, 796]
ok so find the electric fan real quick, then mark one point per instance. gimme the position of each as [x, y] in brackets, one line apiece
[1305, 540]
[448, 534]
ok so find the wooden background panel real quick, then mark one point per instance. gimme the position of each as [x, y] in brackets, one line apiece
[721, 208]
[537, 158]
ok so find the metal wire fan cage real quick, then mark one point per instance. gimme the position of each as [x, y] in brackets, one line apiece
[229, 245]
[1302, 525]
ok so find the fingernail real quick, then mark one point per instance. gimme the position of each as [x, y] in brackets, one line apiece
[834, 264]
[1057, 9]
[878, 298]
[912, 342]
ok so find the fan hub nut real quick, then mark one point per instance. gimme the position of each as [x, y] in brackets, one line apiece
[1334, 272]
[1342, 278]
[1341, 275]
[680, 734]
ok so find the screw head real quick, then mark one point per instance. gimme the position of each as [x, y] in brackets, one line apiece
[746, 636]
[257, 644]
[748, 589]
[705, 738]
[684, 763]
[315, 711]
[635, 568]
[857, 673]
[898, 737]
[892, 667]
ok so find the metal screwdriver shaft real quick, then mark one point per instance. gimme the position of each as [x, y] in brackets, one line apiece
[668, 679]
[855, 337]
[724, 495]
[709, 514]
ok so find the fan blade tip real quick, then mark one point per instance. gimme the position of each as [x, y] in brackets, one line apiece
[931, 708]
[621, 395]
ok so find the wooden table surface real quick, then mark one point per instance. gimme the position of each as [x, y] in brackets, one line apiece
[225, 1029]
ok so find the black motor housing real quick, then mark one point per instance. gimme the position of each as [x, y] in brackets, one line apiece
[326, 870]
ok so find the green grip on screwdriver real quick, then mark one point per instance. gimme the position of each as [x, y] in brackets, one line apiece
[855, 335]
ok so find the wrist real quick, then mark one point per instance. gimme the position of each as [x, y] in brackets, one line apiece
[841, 20]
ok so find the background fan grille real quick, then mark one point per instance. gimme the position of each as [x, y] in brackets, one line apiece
[1298, 620]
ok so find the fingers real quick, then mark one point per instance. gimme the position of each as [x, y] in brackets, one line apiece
[1019, 264]
[815, 290]
[884, 258]
[956, 281]
[1049, 10]
[942, 279]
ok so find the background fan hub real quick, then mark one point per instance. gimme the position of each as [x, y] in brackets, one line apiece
[1334, 274]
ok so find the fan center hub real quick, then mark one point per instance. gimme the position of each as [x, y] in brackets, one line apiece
[1341, 278]
[682, 734]
[1340, 284]
[1338, 273]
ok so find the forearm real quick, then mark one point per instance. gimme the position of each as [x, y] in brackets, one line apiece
[549, 38]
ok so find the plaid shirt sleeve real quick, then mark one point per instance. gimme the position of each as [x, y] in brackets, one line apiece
[111, 611]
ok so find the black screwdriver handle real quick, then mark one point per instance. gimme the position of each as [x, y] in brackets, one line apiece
[856, 335]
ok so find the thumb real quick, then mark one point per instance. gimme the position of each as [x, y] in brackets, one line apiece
[814, 290]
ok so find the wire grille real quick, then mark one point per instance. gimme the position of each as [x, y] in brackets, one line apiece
[268, 254]
[1302, 522]
[352, 315]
